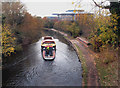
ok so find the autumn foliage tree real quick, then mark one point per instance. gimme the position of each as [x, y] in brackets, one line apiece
[8, 41]
[31, 28]
[59, 25]
[107, 28]
[85, 22]
[48, 23]
[74, 30]
[25, 28]
[71, 28]
[114, 9]
[105, 32]
[13, 15]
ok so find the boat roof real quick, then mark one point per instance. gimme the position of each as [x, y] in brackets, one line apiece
[48, 40]
[47, 36]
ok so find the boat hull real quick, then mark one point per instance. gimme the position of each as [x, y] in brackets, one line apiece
[48, 57]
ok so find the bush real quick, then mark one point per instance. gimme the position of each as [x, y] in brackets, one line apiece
[105, 32]
[8, 41]
[74, 29]
[109, 55]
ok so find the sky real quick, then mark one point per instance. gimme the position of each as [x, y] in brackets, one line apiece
[48, 7]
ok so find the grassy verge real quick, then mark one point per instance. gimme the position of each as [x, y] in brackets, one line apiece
[65, 37]
[107, 66]
[84, 66]
[108, 73]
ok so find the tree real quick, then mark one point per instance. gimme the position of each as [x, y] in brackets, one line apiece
[114, 8]
[48, 23]
[85, 22]
[8, 41]
[105, 32]
[59, 25]
[13, 13]
[74, 29]
[25, 27]
[30, 28]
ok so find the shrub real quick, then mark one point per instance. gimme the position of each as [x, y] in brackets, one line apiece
[74, 29]
[105, 32]
[8, 41]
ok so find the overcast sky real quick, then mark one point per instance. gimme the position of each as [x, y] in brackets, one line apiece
[47, 7]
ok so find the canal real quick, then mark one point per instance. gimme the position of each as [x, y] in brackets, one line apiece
[27, 68]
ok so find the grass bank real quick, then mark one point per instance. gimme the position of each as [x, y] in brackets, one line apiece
[107, 69]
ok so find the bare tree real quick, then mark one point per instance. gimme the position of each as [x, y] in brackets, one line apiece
[114, 6]
[13, 12]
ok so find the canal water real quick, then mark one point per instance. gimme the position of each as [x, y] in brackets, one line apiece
[27, 68]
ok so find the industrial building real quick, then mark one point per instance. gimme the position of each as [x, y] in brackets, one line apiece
[71, 15]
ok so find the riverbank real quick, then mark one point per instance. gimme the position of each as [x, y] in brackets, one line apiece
[99, 69]
[90, 74]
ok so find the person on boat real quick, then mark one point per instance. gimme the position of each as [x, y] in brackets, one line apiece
[49, 51]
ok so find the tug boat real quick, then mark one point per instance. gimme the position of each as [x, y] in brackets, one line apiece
[48, 48]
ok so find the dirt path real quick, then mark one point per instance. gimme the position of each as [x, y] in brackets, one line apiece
[92, 70]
